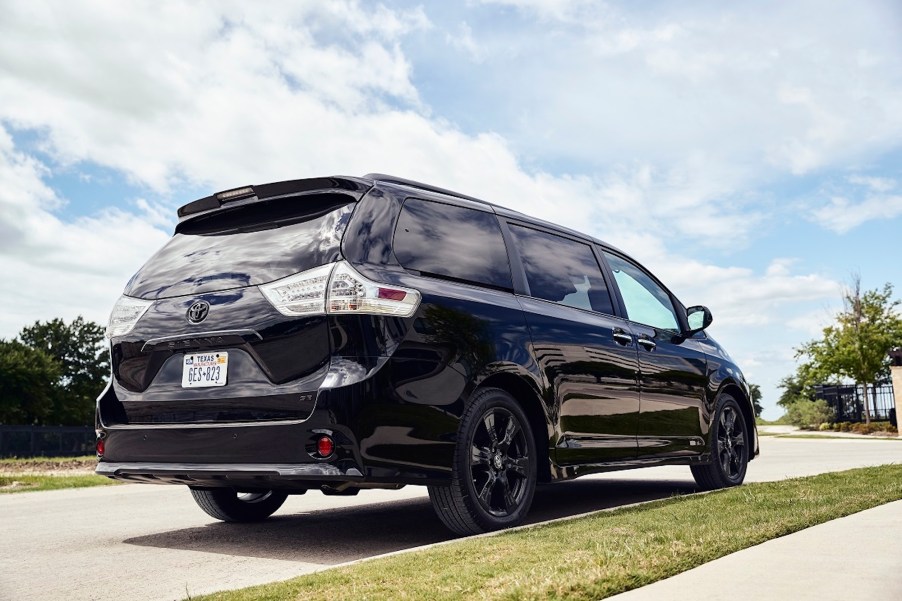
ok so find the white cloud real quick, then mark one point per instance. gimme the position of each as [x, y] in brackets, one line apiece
[874, 184]
[464, 41]
[842, 215]
[863, 199]
[780, 89]
[169, 91]
[52, 268]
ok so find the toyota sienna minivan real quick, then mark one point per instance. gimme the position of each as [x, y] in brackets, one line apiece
[343, 333]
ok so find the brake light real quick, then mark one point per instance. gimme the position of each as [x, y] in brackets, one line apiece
[338, 288]
[392, 294]
[350, 292]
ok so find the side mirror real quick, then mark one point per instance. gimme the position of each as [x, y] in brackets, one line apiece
[699, 318]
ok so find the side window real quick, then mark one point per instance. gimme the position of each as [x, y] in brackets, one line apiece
[561, 270]
[456, 242]
[646, 302]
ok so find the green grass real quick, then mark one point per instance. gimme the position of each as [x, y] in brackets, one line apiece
[783, 420]
[26, 474]
[599, 555]
[29, 483]
[16, 461]
[829, 437]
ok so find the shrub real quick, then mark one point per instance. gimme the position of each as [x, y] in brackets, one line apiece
[825, 426]
[809, 415]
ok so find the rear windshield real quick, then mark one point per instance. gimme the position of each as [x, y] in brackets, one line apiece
[246, 246]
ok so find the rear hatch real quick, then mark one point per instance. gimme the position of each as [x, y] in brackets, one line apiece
[223, 248]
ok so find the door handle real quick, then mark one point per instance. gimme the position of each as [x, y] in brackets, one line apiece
[647, 343]
[622, 338]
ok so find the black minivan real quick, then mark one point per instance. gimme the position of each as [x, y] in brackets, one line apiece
[342, 333]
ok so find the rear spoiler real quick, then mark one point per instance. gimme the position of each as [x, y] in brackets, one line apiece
[350, 186]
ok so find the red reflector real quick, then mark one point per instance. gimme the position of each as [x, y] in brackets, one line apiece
[325, 446]
[100, 446]
[392, 294]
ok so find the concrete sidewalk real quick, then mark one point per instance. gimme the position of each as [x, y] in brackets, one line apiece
[855, 557]
[794, 431]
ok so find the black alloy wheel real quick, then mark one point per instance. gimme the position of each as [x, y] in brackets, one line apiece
[729, 448]
[494, 473]
[229, 505]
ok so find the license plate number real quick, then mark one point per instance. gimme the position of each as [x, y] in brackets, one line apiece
[202, 370]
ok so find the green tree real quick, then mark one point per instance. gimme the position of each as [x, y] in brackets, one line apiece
[856, 345]
[79, 349]
[755, 391]
[27, 380]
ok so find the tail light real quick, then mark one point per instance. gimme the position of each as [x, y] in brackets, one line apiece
[125, 314]
[339, 288]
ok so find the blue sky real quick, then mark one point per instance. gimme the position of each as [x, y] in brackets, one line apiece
[748, 153]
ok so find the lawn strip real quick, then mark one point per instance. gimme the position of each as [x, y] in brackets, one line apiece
[829, 437]
[42, 464]
[31, 483]
[599, 555]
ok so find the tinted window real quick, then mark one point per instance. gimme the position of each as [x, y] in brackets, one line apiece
[457, 242]
[561, 270]
[255, 244]
[646, 302]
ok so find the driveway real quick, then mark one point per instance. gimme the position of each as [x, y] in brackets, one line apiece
[152, 542]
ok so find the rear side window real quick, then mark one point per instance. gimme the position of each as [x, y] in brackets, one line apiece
[452, 241]
[562, 270]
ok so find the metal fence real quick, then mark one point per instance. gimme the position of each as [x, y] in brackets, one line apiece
[49, 441]
[848, 401]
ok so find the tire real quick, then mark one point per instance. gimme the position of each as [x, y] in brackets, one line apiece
[493, 475]
[729, 448]
[228, 505]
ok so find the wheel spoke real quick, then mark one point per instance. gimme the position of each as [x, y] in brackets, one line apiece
[734, 464]
[729, 422]
[511, 429]
[485, 495]
[510, 499]
[479, 456]
[739, 440]
[725, 460]
[519, 465]
[488, 421]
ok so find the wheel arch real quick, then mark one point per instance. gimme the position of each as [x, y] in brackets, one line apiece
[733, 388]
[530, 400]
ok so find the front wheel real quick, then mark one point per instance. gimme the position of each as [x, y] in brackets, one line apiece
[228, 505]
[494, 471]
[729, 448]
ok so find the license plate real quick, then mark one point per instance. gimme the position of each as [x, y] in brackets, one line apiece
[201, 370]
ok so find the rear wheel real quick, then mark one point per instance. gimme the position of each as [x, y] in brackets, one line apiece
[729, 448]
[228, 505]
[494, 472]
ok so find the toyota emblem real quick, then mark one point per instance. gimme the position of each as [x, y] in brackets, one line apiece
[198, 311]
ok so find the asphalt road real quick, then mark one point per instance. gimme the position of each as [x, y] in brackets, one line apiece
[152, 542]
